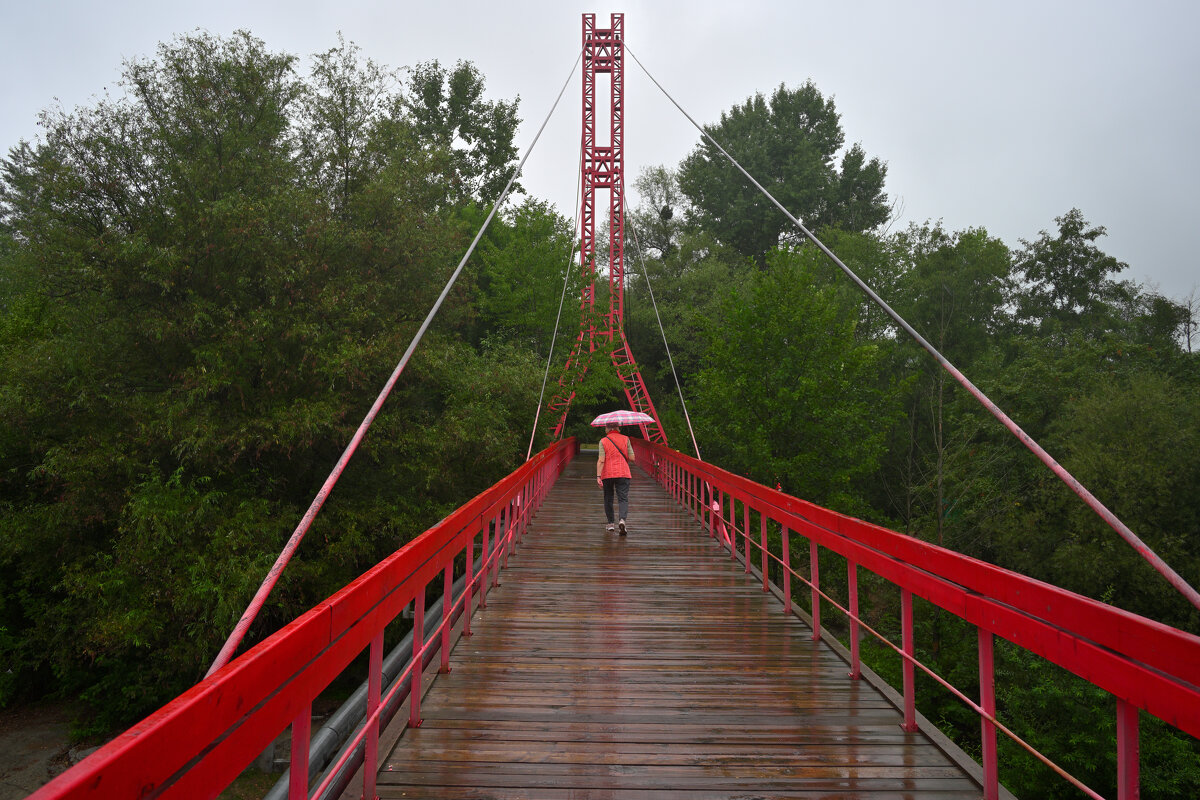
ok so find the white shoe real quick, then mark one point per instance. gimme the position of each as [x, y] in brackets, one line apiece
[621, 525]
[609, 528]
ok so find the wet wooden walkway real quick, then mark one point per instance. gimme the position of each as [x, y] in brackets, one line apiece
[649, 666]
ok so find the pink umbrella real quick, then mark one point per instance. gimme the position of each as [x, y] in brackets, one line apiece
[621, 418]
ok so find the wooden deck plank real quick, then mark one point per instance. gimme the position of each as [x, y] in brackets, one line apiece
[649, 667]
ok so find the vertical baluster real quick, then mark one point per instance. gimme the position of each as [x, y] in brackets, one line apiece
[731, 530]
[469, 586]
[447, 603]
[298, 770]
[509, 533]
[418, 639]
[712, 505]
[906, 624]
[526, 508]
[815, 577]
[483, 566]
[1127, 751]
[852, 578]
[746, 531]
[763, 517]
[497, 533]
[371, 746]
[987, 700]
[785, 535]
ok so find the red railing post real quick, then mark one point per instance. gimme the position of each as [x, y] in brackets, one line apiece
[731, 528]
[374, 687]
[816, 594]
[418, 639]
[1127, 751]
[447, 603]
[712, 506]
[469, 586]
[746, 531]
[785, 535]
[852, 579]
[987, 700]
[763, 517]
[298, 770]
[497, 543]
[483, 566]
[527, 506]
[906, 624]
[510, 533]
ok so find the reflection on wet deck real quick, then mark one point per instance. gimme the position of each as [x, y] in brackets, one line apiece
[649, 666]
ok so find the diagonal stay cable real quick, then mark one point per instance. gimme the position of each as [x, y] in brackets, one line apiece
[1164, 569]
[289, 549]
[646, 274]
[566, 280]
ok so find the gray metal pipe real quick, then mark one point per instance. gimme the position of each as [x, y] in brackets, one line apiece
[327, 742]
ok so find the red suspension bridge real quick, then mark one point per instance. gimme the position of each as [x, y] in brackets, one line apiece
[676, 662]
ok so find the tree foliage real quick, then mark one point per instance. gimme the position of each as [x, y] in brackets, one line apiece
[205, 281]
[790, 144]
[208, 279]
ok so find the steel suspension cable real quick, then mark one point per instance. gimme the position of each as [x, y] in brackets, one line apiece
[566, 280]
[646, 274]
[1164, 569]
[306, 522]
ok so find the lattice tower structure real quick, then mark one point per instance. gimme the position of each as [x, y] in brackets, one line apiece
[603, 167]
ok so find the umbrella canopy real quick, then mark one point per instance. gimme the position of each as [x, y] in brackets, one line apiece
[621, 418]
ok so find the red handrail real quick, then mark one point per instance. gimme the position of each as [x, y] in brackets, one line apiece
[198, 743]
[1143, 663]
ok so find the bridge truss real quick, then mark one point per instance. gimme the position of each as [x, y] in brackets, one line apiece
[603, 167]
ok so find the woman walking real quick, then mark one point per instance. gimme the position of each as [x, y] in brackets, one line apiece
[612, 472]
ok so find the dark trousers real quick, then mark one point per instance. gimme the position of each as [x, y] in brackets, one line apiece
[619, 486]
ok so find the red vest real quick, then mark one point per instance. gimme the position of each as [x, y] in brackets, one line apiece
[616, 456]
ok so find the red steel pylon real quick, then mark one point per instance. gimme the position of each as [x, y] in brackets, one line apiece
[603, 168]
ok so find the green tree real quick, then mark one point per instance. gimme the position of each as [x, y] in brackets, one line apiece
[657, 222]
[1067, 279]
[211, 277]
[789, 395]
[448, 112]
[953, 290]
[790, 144]
[524, 263]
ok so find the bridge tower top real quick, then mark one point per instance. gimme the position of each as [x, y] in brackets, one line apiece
[603, 167]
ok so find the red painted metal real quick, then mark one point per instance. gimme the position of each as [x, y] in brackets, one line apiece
[469, 585]
[414, 693]
[374, 689]
[786, 536]
[447, 590]
[1127, 751]
[815, 583]
[746, 530]
[198, 743]
[763, 550]
[910, 690]
[603, 168]
[298, 768]
[1146, 665]
[852, 590]
[987, 700]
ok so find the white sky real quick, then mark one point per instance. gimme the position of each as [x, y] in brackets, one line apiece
[1001, 115]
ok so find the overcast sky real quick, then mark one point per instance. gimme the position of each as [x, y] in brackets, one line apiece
[1001, 115]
